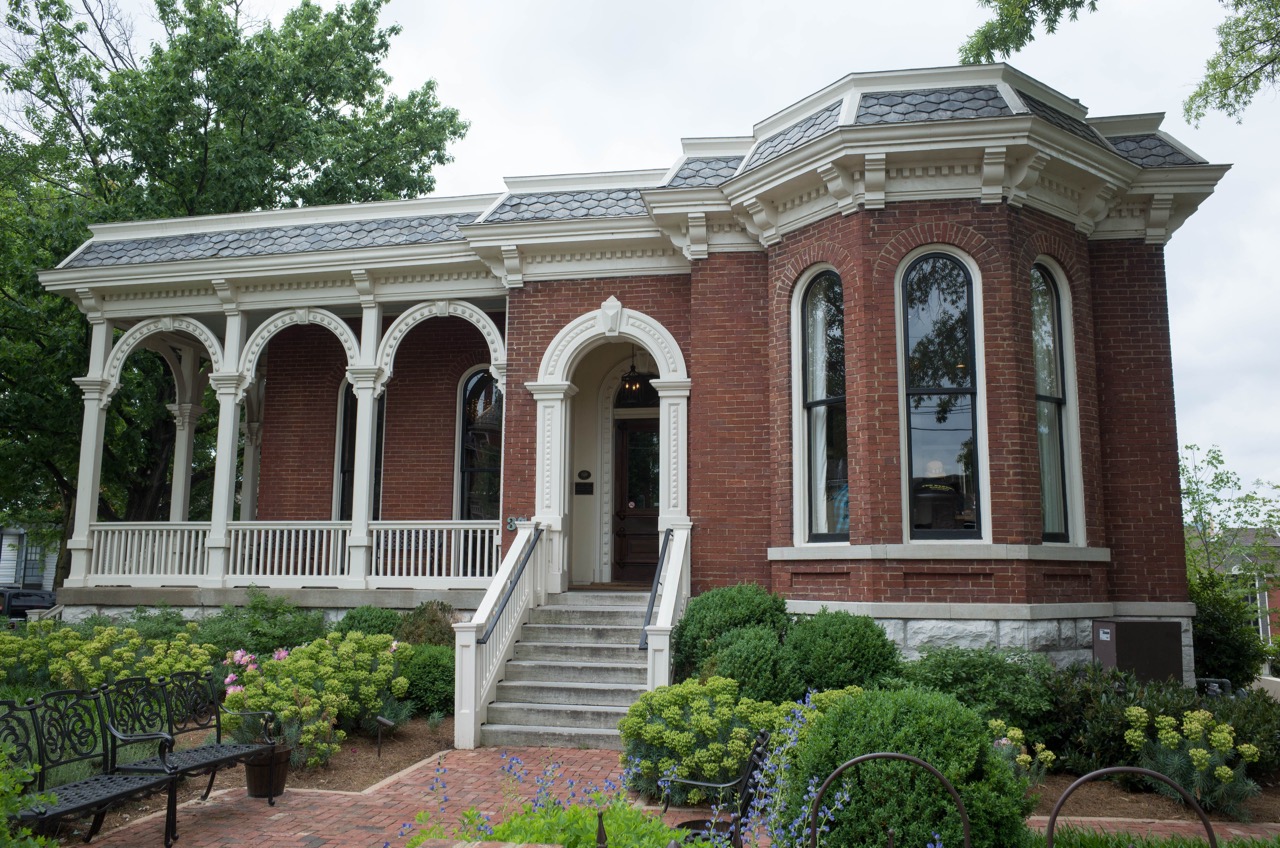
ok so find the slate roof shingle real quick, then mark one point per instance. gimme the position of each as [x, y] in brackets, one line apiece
[1062, 120]
[817, 124]
[562, 205]
[936, 104]
[305, 238]
[1151, 151]
[695, 173]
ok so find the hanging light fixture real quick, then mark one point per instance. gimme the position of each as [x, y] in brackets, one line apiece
[635, 388]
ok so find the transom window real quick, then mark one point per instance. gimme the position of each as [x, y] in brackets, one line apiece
[480, 450]
[1046, 341]
[941, 399]
[822, 327]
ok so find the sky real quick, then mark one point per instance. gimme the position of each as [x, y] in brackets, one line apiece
[566, 87]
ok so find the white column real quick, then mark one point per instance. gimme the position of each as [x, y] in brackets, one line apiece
[551, 503]
[185, 416]
[89, 476]
[249, 472]
[227, 386]
[673, 451]
[466, 699]
[364, 381]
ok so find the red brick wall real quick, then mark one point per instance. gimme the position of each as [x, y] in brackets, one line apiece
[1139, 435]
[420, 441]
[304, 367]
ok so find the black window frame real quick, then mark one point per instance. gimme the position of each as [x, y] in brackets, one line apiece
[809, 404]
[1060, 403]
[466, 473]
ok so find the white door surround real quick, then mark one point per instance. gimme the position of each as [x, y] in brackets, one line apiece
[552, 391]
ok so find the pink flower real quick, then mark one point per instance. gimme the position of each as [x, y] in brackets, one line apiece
[394, 645]
[253, 666]
[231, 678]
[231, 689]
[281, 653]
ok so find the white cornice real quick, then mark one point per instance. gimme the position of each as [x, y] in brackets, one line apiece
[1112, 125]
[585, 182]
[705, 148]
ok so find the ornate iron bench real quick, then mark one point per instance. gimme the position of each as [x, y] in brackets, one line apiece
[742, 791]
[184, 703]
[68, 727]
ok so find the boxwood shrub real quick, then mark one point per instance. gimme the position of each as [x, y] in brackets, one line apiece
[371, 621]
[716, 612]
[756, 658]
[1009, 685]
[832, 650]
[429, 669]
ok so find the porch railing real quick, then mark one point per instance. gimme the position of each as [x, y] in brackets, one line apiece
[425, 553]
[147, 553]
[674, 595]
[486, 642]
[288, 552]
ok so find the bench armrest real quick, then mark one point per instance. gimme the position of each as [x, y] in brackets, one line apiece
[666, 796]
[163, 750]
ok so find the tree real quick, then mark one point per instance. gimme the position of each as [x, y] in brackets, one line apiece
[1229, 529]
[1247, 61]
[219, 115]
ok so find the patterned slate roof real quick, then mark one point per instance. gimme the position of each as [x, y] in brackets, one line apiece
[695, 173]
[562, 205]
[1151, 151]
[817, 124]
[935, 104]
[424, 229]
[1062, 120]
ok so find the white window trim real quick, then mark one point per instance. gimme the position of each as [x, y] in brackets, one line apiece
[799, 430]
[1072, 452]
[980, 397]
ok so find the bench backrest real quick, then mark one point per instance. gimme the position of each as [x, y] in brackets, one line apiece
[194, 704]
[69, 728]
[135, 705]
[752, 774]
[18, 734]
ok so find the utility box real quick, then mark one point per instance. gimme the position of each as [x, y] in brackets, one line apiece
[1152, 650]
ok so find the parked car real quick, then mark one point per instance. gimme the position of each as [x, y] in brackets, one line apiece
[15, 601]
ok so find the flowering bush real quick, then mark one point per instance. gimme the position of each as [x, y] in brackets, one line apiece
[1029, 762]
[53, 655]
[317, 691]
[1199, 753]
[692, 730]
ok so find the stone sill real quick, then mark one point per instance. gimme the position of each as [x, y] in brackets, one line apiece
[940, 550]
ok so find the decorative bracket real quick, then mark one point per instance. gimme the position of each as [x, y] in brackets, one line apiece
[226, 294]
[763, 223]
[993, 171]
[1025, 176]
[1158, 214]
[1095, 205]
[363, 284]
[89, 304]
[841, 186]
[611, 316]
[875, 174]
[697, 246]
[513, 276]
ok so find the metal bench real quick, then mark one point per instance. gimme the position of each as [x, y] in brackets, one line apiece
[183, 703]
[68, 727]
[742, 791]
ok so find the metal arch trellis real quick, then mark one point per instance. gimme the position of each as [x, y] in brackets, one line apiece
[883, 755]
[1103, 772]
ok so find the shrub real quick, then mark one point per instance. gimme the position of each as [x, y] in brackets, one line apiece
[13, 781]
[429, 623]
[1256, 718]
[1199, 754]
[1005, 685]
[929, 725]
[1225, 631]
[755, 658]
[716, 612]
[832, 650]
[265, 624]
[692, 730]
[574, 826]
[370, 621]
[161, 622]
[429, 670]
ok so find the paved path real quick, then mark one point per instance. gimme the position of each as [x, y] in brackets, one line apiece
[312, 818]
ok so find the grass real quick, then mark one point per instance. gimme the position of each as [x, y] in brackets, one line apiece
[1071, 837]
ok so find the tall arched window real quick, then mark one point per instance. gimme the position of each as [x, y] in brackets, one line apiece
[941, 399]
[827, 450]
[480, 448]
[1046, 342]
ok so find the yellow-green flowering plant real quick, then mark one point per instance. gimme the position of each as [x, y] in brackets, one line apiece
[318, 692]
[1029, 760]
[1199, 753]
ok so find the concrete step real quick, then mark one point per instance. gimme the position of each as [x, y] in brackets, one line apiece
[584, 652]
[556, 715]
[599, 598]
[579, 694]
[577, 634]
[635, 674]
[500, 735]
[632, 616]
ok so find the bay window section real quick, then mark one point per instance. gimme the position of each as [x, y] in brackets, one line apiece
[941, 399]
[1046, 340]
[827, 485]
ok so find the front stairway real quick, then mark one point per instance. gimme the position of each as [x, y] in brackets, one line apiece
[577, 667]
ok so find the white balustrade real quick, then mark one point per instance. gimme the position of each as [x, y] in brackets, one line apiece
[675, 590]
[447, 554]
[147, 553]
[294, 553]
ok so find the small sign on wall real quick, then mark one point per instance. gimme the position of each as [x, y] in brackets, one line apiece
[584, 488]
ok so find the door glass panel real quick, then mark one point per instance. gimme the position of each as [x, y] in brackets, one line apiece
[642, 469]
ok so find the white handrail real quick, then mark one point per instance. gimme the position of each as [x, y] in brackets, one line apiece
[675, 595]
[485, 643]
[147, 553]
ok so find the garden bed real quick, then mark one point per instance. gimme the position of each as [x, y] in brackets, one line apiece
[1106, 799]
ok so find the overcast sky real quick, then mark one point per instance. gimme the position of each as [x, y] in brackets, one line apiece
[561, 87]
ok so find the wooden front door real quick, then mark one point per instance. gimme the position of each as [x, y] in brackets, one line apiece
[635, 515]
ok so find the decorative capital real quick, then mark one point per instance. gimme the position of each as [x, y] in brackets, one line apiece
[185, 414]
[95, 389]
[364, 376]
[227, 383]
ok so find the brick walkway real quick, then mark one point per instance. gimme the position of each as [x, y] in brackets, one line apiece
[312, 818]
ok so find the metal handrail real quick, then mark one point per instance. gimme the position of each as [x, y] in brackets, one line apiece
[511, 586]
[653, 593]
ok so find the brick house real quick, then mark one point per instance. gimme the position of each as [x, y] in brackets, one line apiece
[902, 348]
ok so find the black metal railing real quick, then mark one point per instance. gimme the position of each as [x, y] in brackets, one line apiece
[511, 585]
[653, 592]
